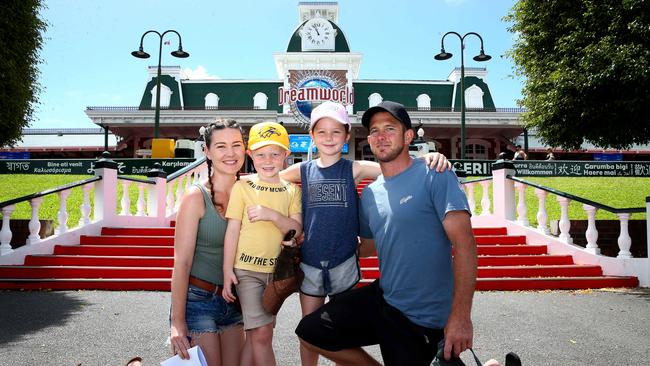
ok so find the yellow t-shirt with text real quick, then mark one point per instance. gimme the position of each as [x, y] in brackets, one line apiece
[259, 242]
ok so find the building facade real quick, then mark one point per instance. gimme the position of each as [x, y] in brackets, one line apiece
[317, 65]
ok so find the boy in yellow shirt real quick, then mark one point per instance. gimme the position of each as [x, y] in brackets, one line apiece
[260, 211]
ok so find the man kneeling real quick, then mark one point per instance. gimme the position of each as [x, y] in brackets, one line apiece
[413, 216]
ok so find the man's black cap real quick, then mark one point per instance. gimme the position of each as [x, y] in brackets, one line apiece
[397, 110]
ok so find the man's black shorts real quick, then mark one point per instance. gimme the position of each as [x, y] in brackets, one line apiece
[361, 317]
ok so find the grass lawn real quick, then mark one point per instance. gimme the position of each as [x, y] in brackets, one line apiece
[18, 185]
[616, 192]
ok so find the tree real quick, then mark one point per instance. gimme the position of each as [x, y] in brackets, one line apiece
[21, 39]
[586, 65]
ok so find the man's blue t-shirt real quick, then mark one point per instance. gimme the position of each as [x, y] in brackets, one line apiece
[404, 215]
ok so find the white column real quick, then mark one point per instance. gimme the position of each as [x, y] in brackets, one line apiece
[647, 224]
[179, 190]
[503, 190]
[485, 198]
[140, 203]
[34, 223]
[592, 233]
[565, 224]
[542, 216]
[169, 202]
[469, 187]
[521, 204]
[5, 233]
[624, 240]
[126, 199]
[85, 206]
[156, 201]
[63, 212]
[105, 202]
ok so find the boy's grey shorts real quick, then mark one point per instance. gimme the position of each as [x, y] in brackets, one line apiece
[342, 278]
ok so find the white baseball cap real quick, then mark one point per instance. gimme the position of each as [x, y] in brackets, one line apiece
[335, 111]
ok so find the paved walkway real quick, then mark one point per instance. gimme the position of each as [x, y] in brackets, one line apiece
[544, 328]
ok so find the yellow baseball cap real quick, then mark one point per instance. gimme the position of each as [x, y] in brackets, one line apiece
[268, 133]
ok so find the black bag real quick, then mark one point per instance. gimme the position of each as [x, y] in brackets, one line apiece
[511, 358]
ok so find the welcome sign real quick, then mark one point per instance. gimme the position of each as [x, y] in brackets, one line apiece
[308, 88]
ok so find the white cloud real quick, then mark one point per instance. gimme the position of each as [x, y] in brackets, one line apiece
[200, 73]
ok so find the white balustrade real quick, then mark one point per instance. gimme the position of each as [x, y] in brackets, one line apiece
[169, 201]
[469, 188]
[5, 233]
[542, 216]
[592, 233]
[485, 198]
[188, 181]
[179, 190]
[34, 223]
[565, 224]
[140, 204]
[521, 204]
[85, 206]
[197, 179]
[624, 239]
[126, 198]
[63, 212]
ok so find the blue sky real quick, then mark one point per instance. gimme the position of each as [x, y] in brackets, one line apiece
[87, 46]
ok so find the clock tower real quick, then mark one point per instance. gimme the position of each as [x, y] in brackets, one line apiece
[318, 64]
[317, 35]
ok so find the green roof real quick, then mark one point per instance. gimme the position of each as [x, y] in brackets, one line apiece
[232, 95]
[240, 94]
[171, 83]
[402, 92]
[488, 103]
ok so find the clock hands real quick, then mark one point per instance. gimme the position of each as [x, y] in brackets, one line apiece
[316, 29]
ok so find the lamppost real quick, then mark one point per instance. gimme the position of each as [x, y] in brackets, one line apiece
[445, 56]
[141, 54]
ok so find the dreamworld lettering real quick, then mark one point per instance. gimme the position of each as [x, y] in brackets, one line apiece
[310, 94]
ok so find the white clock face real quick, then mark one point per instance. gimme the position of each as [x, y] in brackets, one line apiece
[317, 33]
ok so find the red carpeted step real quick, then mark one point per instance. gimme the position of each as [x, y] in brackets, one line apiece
[573, 270]
[518, 271]
[500, 239]
[511, 249]
[127, 240]
[523, 260]
[35, 272]
[557, 283]
[369, 262]
[130, 250]
[88, 260]
[138, 231]
[117, 284]
[499, 260]
[370, 272]
[490, 231]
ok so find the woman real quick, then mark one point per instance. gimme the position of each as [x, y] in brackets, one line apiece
[199, 314]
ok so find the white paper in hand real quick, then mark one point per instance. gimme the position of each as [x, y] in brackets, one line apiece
[196, 359]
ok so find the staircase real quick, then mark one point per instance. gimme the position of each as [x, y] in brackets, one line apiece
[506, 262]
[118, 259]
[142, 259]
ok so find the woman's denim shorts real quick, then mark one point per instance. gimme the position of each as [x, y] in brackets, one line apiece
[207, 312]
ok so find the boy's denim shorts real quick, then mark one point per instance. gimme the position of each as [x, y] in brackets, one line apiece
[207, 312]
